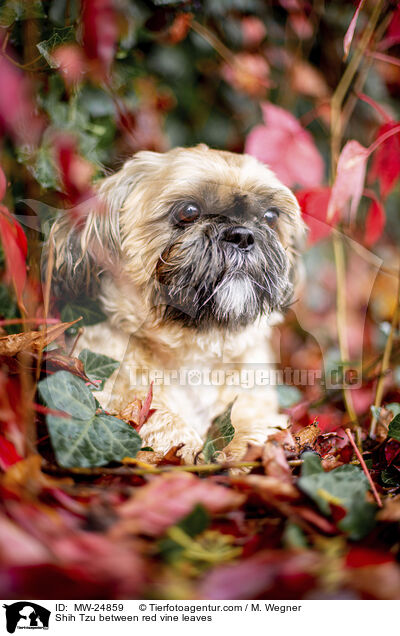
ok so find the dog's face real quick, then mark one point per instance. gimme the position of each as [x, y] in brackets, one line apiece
[206, 238]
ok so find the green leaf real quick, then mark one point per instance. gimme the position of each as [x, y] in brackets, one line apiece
[293, 536]
[390, 477]
[98, 366]
[59, 36]
[93, 442]
[347, 486]
[63, 391]
[394, 428]
[311, 464]
[87, 308]
[193, 524]
[219, 434]
[14, 10]
[288, 396]
[394, 407]
[85, 439]
[8, 308]
[196, 521]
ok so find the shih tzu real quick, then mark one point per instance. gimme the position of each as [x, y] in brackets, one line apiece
[192, 252]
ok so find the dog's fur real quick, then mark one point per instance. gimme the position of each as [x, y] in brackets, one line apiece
[177, 295]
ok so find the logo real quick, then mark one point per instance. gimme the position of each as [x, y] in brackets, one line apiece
[26, 615]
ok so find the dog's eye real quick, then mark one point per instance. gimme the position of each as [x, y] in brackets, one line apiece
[187, 213]
[271, 216]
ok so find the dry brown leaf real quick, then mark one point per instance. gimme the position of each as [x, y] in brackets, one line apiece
[57, 361]
[131, 412]
[391, 510]
[28, 474]
[267, 487]
[307, 436]
[32, 340]
[275, 462]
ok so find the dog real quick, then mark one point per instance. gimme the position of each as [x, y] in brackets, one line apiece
[192, 256]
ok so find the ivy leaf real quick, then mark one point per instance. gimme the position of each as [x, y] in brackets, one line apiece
[394, 427]
[390, 476]
[93, 442]
[15, 10]
[63, 391]
[219, 434]
[85, 307]
[98, 366]
[84, 439]
[193, 524]
[288, 396]
[46, 47]
[346, 486]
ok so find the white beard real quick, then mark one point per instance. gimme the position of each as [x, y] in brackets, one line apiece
[236, 297]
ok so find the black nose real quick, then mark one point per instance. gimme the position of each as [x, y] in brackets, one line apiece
[242, 237]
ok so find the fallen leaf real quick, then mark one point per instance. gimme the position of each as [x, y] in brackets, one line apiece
[219, 434]
[136, 413]
[345, 487]
[32, 340]
[8, 453]
[85, 439]
[307, 436]
[170, 497]
[275, 462]
[28, 474]
[98, 367]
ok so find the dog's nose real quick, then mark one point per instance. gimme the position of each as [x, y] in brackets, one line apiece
[242, 237]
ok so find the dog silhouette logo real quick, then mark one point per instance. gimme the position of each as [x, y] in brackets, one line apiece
[26, 615]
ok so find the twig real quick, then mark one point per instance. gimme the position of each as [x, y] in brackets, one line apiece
[386, 360]
[364, 467]
[341, 316]
[336, 137]
[39, 321]
[78, 335]
[152, 470]
[346, 80]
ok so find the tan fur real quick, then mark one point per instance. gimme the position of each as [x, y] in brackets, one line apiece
[125, 240]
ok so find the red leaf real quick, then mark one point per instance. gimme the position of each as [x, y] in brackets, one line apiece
[15, 247]
[287, 148]
[99, 33]
[248, 72]
[358, 557]
[385, 167]
[70, 61]
[253, 31]
[75, 172]
[8, 454]
[3, 184]
[348, 38]
[145, 411]
[314, 206]
[169, 498]
[349, 183]
[17, 108]
[374, 222]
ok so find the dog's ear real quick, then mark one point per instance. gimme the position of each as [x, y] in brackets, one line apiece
[80, 252]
